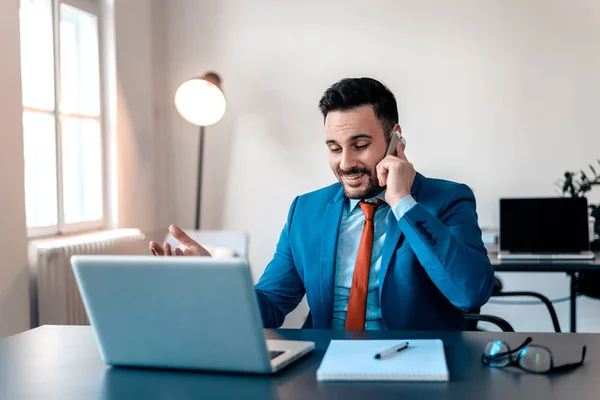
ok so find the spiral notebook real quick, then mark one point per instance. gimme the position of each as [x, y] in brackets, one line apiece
[354, 360]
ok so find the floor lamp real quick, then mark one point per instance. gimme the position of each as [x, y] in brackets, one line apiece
[201, 102]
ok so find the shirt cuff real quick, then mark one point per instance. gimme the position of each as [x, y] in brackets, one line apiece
[403, 206]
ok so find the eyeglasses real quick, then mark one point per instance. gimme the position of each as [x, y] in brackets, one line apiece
[530, 357]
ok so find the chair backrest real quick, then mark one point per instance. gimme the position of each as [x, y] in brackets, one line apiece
[234, 240]
[472, 318]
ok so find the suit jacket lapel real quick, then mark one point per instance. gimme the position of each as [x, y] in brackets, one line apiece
[394, 236]
[329, 238]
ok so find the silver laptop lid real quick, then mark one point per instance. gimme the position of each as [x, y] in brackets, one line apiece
[173, 312]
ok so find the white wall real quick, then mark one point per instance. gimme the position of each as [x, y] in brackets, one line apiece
[14, 289]
[501, 95]
[136, 122]
[142, 146]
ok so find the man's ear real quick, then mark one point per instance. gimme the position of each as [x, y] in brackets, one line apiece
[397, 127]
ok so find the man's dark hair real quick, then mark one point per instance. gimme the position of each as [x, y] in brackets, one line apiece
[350, 93]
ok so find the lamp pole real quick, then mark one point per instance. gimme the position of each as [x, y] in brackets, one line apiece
[201, 102]
[199, 188]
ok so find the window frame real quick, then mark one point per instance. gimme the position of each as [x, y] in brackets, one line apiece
[91, 7]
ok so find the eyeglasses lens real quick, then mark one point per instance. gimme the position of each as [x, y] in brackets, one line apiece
[492, 349]
[535, 359]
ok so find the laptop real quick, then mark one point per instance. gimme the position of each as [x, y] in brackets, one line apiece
[197, 313]
[544, 229]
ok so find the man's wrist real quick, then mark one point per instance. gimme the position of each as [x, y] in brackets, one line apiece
[394, 200]
[402, 206]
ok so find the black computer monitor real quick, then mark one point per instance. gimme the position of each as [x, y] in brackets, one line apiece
[544, 225]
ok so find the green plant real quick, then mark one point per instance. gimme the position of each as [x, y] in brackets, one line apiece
[578, 187]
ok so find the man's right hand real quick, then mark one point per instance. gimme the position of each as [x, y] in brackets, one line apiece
[189, 246]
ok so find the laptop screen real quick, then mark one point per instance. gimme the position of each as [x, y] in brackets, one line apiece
[544, 225]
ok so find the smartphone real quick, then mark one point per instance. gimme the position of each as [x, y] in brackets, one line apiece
[396, 137]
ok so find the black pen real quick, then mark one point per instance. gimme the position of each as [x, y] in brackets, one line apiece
[391, 351]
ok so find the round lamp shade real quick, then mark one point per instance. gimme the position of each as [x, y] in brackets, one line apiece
[200, 102]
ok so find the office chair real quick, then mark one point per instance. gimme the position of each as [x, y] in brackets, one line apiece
[474, 317]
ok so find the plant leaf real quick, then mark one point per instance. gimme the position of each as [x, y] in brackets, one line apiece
[593, 170]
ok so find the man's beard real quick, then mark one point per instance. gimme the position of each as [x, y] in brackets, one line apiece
[371, 190]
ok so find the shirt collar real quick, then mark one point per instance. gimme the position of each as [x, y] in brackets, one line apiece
[354, 202]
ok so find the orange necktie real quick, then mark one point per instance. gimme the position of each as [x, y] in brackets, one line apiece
[357, 302]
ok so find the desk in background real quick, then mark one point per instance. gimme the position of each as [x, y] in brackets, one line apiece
[60, 362]
[570, 267]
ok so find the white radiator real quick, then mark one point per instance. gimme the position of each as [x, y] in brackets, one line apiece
[55, 298]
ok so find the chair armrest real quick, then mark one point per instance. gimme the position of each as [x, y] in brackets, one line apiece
[539, 296]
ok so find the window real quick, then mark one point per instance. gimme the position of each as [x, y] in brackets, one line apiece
[62, 132]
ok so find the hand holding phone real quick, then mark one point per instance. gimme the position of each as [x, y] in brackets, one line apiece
[396, 173]
[396, 137]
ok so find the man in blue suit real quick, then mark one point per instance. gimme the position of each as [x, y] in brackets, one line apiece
[385, 247]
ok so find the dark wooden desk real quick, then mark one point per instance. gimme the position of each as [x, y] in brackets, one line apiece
[57, 362]
[571, 268]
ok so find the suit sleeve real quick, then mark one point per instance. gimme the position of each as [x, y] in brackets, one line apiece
[280, 289]
[450, 249]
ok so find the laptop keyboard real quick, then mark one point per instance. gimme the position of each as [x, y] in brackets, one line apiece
[274, 354]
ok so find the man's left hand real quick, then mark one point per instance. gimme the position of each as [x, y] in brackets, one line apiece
[398, 174]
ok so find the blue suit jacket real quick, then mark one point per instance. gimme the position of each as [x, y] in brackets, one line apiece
[434, 265]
